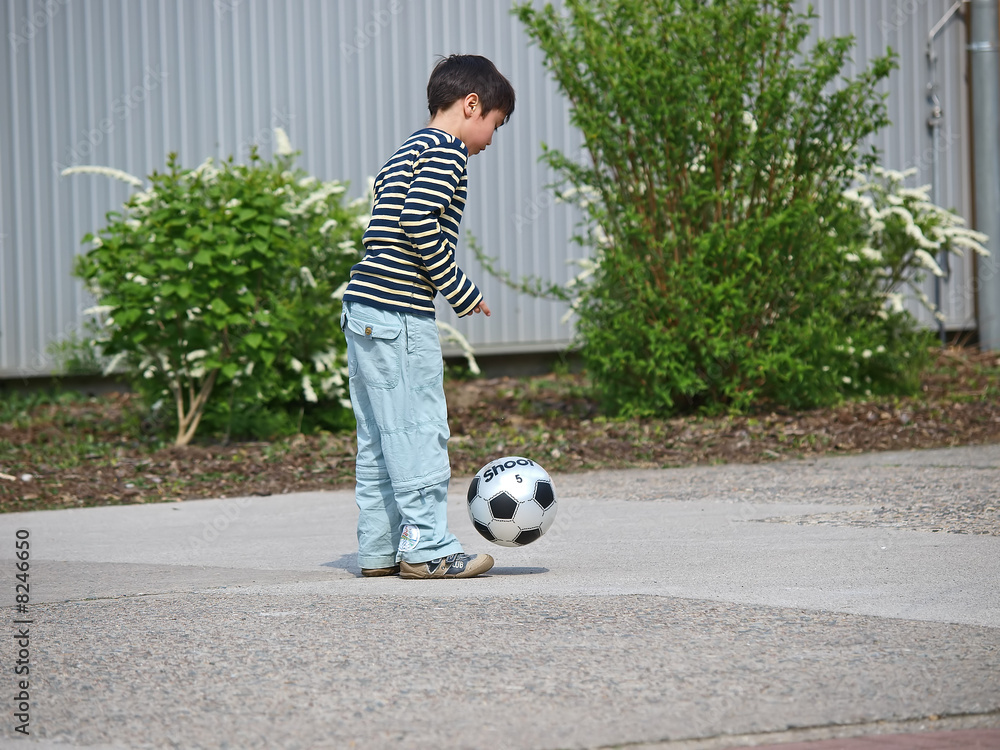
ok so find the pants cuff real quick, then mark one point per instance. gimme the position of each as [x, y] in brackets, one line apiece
[380, 561]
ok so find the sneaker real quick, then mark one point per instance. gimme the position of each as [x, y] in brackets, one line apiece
[371, 572]
[458, 565]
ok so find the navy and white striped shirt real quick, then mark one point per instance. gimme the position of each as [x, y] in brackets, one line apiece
[410, 242]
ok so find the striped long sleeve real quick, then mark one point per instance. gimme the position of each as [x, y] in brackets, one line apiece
[410, 242]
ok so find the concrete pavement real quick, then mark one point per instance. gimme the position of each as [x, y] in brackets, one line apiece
[712, 607]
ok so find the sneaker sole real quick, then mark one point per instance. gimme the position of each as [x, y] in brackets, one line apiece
[481, 564]
[376, 572]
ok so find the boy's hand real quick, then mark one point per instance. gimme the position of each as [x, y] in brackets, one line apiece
[483, 308]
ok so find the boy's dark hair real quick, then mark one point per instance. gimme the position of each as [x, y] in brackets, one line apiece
[457, 76]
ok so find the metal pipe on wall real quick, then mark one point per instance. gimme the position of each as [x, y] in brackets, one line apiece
[984, 56]
[934, 122]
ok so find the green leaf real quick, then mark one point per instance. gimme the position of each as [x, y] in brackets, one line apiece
[253, 340]
[219, 306]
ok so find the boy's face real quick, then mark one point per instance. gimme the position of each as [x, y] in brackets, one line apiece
[479, 129]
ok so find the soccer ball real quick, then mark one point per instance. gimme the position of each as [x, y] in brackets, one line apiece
[512, 501]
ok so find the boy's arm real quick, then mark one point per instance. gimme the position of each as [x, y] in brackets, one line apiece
[435, 180]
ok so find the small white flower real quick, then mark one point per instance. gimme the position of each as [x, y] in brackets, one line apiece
[913, 231]
[325, 361]
[112, 366]
[846, 379]
[318, 196]
[928, 262]
[966, 232]
[282, 146]
[206, 171]
[327, 226]
[196, 354]
[969, 243]
[450, 333]
[99, 310]
[307, 390]
[296, 365]
[917, 194]
[338, 293]
[115, 174]
[867, 353]
[307, 277]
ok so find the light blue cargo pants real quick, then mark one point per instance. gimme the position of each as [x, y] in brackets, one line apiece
[397, 390]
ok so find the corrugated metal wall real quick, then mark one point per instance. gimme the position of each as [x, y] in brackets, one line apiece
[905, 26]
[121, 83]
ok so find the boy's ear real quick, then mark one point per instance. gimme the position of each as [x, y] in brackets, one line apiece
[471, 104]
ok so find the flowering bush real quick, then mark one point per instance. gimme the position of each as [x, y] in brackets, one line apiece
[717, 151]
[217, 291]
[900, 231]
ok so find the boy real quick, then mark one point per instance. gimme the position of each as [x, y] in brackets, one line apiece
[393, 351]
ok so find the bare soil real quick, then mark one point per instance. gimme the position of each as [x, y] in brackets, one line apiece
[87, 452]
